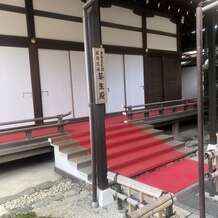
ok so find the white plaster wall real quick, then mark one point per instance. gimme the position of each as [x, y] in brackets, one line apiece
[161, 42]
[13, 24]
[112, 36]
[119, 15]
[49, 28]
[161, 23]
[19, 3]
[189, 82]
[67, 7]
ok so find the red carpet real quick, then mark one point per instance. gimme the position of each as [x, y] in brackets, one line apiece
[131, 152]
[173, 178]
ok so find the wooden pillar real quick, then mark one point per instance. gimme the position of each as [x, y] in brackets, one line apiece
[34, 62]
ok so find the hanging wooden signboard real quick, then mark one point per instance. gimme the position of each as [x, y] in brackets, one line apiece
[99, 75]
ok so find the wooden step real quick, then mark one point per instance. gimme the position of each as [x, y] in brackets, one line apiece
[74, 152]
[25, 154]
[81, 161]
[21, 148]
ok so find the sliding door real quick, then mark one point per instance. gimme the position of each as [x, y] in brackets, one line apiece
[79, 82]
[115, 82]
[134, 75]
[55, 80]
[15, 83]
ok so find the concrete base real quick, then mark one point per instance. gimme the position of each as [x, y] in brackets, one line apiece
[105, 197]
[207, 195]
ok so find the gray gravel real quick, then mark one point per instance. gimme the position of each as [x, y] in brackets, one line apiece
[63, 199]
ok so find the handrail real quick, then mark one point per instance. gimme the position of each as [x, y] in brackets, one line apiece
[147, 200]
[35, 119]
[157, 103]
[28, 130]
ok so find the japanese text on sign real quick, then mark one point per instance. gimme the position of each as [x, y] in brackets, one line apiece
[99, 74]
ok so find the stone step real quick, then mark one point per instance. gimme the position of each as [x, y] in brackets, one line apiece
[58, 139]
[165, 138]
[177, 144]
[67, 144]
[82, 161]
[154, 132]
[73, 152]
[86, 173]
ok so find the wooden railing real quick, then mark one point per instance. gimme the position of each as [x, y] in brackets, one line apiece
[56, 121]
[143, 200]
[159, 108]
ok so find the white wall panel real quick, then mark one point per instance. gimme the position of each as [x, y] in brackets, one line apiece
[120, 15]
[13, 24]
[67, 7]
[15, 85]
[112, 36]
[115, 82]
[160, 42]
[58, 29]
[161, 23]
[79, 82]
[189, 82]
[19, 3]
[55, 82]
[134, 75]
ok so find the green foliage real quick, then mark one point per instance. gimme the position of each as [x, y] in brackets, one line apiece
[28, 215]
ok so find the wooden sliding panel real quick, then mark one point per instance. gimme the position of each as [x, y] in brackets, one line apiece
[154, 79]
[134, 75]
[171, 79]
[13, 24]
[66, 7]
[55, 82]
[15, 84]
[19, 3]
[115, 82]
[79, 83]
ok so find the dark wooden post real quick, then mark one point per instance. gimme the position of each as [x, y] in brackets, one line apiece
[34, 62]
[97, 111]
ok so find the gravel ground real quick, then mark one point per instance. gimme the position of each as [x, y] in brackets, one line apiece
[61, 199]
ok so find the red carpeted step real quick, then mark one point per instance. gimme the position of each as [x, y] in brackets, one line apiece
[122, 131]
[131, 146]
[174, 177]
[128, 159]
[127, 138]
[149, 164]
